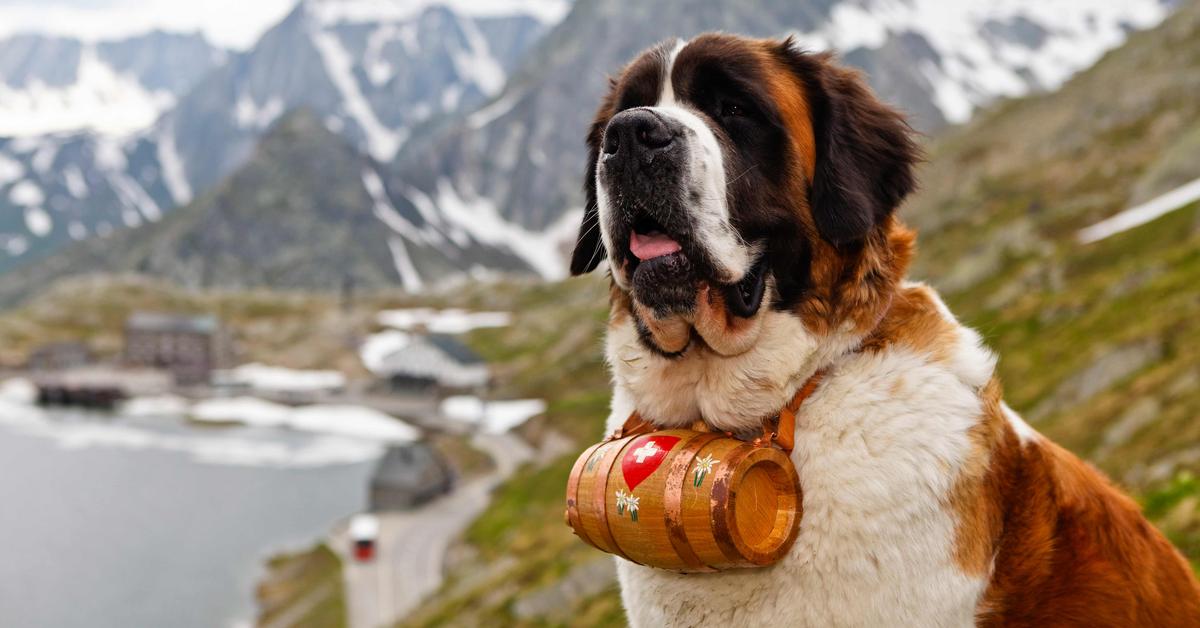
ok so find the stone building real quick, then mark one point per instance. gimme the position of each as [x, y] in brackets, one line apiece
[189, 347]
[407, 476]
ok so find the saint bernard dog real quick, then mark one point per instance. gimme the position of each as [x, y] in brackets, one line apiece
[743, 193]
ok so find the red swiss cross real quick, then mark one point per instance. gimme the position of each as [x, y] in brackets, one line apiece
[644, 456]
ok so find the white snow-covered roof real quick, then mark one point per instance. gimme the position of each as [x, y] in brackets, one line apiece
[439, 358]
[493, 417]
[280, 379]
[377, 347]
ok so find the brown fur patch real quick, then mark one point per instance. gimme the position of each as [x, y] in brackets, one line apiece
[672, 333]
[915, 321]
[619, 306]
[789, 95]
[1075, 551]
[855, 287]
[847, 283]
[1061, 545]
[975, 498]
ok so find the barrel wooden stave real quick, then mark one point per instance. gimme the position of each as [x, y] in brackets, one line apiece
[592, 490]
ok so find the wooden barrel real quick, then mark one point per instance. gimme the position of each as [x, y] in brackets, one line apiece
[686, 501]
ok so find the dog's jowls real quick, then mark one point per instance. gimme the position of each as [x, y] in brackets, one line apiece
[743, 194]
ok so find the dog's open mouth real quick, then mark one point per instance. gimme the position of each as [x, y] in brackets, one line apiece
[647, 240]
[666, 279]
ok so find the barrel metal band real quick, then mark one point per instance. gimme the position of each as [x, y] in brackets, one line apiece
[673, 500]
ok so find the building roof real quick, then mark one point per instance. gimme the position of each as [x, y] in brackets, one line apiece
[409, 466]
[153, 321]
[456, 350]
[439, 358]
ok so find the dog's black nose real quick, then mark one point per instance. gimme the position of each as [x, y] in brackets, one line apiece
[638, 130]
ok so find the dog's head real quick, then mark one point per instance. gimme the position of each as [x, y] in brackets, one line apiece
[731, 177]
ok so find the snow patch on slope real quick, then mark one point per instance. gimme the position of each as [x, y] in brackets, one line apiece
[342, 420]
[331, 12]
[15, 246]
[134, 197]
[1137, 216]
[477, 64]
[480, 218]
[174, 173]
[386, 212]
[492, 111]
[250, 115]
[974, 68]
[493, 417]
[100, 99]
[409, 277]
[448, 321]
[76, 184]
[10, 169]
[38, 221]
[278, 379]
[26, 193]
[382, 142]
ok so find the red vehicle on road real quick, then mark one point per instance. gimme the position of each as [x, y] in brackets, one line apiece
[364, 533]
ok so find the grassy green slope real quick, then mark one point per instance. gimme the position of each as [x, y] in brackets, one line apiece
[303, 590]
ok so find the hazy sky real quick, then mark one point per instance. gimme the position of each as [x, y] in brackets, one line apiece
[232, 23]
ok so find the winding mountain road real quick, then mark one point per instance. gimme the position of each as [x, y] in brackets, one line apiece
[412, 545]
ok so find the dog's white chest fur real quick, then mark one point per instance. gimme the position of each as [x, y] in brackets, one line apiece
[878, 449]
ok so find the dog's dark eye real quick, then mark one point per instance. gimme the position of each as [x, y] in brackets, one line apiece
[731, 109]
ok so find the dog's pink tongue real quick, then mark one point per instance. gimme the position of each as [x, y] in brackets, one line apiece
[651, 245]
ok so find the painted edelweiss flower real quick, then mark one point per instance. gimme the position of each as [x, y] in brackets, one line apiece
[703, 467]
[632, 503]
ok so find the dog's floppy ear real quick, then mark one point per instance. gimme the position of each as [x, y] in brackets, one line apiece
[865, 150]
[589, 247]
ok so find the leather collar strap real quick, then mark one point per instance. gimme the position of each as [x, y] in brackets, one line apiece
[779, 430]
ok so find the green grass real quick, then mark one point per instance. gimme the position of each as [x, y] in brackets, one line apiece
[305, 587]
[1175, 505]
[532, 494]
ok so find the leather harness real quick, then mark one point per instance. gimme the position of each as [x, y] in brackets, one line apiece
[778, 430]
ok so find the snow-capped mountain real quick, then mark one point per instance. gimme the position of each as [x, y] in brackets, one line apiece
[371, 71]
[470, 115]
[967, 54]
[68, 166]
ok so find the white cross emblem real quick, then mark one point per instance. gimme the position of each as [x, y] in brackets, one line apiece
[646, 451]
